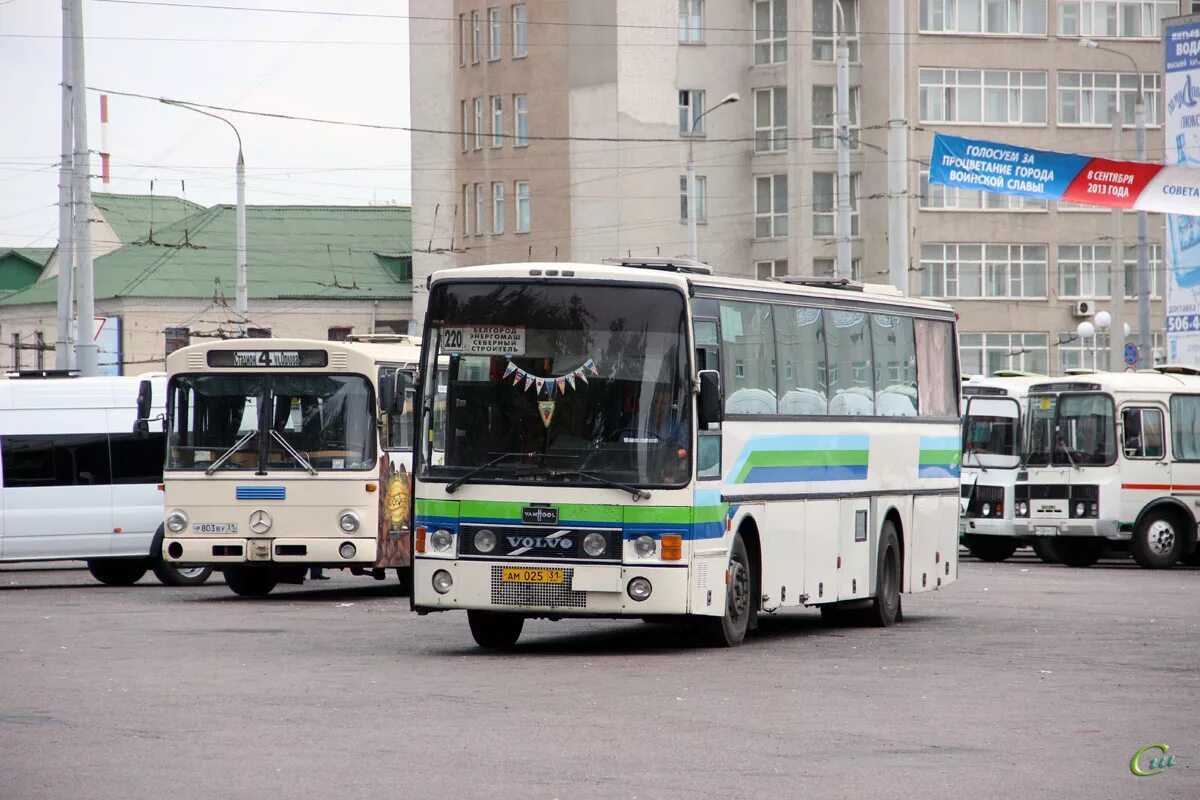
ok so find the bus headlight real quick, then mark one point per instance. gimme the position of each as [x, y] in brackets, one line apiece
[594, 544]
[1022, 509]
[440, 540]
[442, 581]
[1080, 509]
[485, 541]
[644, 546]
[347, 550]
[986, 509]
[348, 521]
[639, 589]
[177, 521]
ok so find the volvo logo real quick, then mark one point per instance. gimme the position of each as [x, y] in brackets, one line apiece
[260, 521]
[523, 544]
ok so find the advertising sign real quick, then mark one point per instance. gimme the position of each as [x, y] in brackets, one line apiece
[1181, 93]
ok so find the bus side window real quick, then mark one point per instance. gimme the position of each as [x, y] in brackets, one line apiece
[1142, 433]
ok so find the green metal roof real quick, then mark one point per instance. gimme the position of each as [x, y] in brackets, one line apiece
[21, 266]
[296, 252]
[134, 216]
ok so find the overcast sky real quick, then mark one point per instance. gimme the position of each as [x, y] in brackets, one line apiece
[318, 66]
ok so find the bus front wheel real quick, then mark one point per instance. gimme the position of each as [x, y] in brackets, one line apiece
[1078, 552]
[729, 629]
[117, 571]
[169, 575]
[885, 611]
[1157, 543]
[990, 548]
[495, 630]
[1045, 550]
[250, 581]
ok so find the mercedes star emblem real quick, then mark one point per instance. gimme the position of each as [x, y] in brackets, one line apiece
[260, 521]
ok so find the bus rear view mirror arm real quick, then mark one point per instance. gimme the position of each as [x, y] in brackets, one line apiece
[710, 396]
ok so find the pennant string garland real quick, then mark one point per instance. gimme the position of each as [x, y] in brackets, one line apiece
[550, 385]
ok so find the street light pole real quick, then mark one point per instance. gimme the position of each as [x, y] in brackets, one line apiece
[843, 147]
[241, 303]
[1144, 283]
[733, 97]
[64, 343]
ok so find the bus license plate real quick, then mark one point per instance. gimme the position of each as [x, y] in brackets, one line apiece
[522, 575]
[1045, 530]
[214, 527]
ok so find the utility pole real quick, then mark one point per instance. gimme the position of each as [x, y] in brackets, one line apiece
[844, 269]
[1116, 282]
[897, 152]
[66, 261]
[85, 297]
[692, 200]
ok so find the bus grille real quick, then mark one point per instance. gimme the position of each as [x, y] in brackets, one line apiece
[551, 595]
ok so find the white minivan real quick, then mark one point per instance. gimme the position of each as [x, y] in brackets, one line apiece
[77, 482]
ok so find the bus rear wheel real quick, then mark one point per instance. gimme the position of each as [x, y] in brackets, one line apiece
[117, 571]
[250, 581]
[729, 629]
[1078, 552]
[990, 548]
[495, 630]
[884, 611]
[169, 575]
[1157, 543]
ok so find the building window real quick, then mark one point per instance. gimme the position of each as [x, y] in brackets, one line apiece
[1077, 353]
[475, 43]
[1004, 17]
[1141, 19]
[691, 21]
[339, 334]
[520, 19]
[824, 200]
[1154, 263]
[770, 31]
[997, 97]
[493, 34]
[1090, 98]
[523, 210]
[701, 192]
[1084, 270]
[770, 206]
[497, 121]
[691, 107]
[478, 123]
[986, 353]
[825, 22]
[520, 120]
[770, 120]
[976, 271]
[497, 208]
[462, 40]
[479, 209]
[466, 209]
[824, 117]
[823, 267]
[466, 126]
[766, 270]
[936, 197]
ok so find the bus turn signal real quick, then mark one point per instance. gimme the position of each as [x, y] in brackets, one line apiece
[672, 547]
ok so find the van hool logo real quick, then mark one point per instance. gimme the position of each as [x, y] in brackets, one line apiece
[1155, 758]
[539, 515]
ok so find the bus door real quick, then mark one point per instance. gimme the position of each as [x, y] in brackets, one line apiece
[990, 441]
[1144, 466]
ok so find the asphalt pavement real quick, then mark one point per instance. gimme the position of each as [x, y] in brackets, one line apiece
[1022, 680]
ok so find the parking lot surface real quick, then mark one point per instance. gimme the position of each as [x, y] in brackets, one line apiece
[1022, 680]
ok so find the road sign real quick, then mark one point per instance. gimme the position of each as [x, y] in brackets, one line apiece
[1131, 353]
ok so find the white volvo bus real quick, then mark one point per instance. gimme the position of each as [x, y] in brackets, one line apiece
[1112, 459]
[648, 440]
[78, 484]
[280, 458]
[993, 411]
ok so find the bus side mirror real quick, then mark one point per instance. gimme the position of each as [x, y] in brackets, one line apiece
[710, 396]
[141, 425]
[387, 393]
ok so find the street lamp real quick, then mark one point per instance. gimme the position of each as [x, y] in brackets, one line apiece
[1143, 266]
[1085, 331]
[240, 304]
[732, 97]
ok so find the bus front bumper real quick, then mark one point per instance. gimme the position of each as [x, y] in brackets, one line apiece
[986, 526]
[280, 550]
[1049, 528]
[585, 589]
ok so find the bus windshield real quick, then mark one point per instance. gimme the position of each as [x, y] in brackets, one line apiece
[557, 383]
[988, 435]
[1071, 429]
[270, 422]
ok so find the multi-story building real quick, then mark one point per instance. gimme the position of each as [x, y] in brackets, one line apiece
[560, 130]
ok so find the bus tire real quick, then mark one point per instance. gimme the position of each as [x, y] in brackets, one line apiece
[404, 575]
[495, 630]
[1078, 552]
[1158, 542]
[169, 575]
[1045, 550]
[990, 548]
[729, 629]
[117, 571]
[884, 610]
[250, 581]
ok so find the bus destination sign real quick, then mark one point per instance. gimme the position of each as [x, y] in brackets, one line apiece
[268, 359]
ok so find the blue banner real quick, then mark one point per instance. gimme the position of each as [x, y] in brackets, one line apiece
[1003, 168]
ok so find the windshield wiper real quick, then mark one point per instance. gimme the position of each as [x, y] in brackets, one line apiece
[1062, 446]
[238, 445]
[293, 452]
[978, 461]
[461, 479]
[638, 493]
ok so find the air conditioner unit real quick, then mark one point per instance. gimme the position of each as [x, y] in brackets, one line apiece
[1083, 308]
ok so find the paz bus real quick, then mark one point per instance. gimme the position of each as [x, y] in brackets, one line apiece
[993, 413]
[280, 457]
[645, 439]
[1112, 459]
